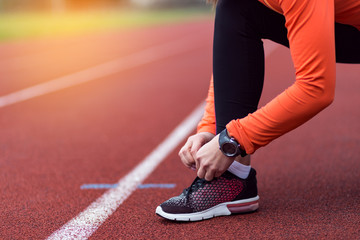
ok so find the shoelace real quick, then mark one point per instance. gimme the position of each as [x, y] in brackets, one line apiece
[196, 184]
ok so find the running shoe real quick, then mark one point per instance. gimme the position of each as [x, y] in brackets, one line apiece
[222, 196]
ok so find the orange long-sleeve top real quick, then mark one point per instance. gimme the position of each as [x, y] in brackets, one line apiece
[310, 25]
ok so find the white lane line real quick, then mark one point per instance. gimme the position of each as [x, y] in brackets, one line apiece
[148, 55]
[86, 223]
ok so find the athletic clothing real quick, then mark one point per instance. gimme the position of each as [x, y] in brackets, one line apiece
[307, 26]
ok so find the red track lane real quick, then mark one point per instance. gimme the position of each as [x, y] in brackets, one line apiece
[98, 131]
[95, 132]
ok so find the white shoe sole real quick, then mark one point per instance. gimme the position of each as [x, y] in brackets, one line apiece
[222, 209]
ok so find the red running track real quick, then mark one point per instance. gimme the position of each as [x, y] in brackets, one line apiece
[99, 131]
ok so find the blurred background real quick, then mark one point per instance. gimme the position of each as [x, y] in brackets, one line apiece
[21, 19]
[82, 84]
[63, 5]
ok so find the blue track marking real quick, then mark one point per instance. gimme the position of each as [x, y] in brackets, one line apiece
[141, 186]
[98, 186]
[152, 185]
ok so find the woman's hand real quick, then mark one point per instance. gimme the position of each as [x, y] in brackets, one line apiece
[210, 161]
[188, 152]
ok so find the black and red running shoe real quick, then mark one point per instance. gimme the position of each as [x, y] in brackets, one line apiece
[222, 196]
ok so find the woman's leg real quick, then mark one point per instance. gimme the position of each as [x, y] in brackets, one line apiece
[238, 56]
[238, 62]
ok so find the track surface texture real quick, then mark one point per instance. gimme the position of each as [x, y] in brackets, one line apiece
[98, 131]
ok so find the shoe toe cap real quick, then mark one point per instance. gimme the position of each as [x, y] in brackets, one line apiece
[175, 209]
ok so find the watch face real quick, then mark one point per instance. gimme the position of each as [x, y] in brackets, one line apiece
[229, 149]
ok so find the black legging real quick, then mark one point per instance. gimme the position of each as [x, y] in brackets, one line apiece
[238, 54]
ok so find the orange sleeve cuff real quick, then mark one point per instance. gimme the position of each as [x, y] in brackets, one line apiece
[206, 128]
[237, 131]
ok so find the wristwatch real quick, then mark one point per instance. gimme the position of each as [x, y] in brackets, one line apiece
[229, 146]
